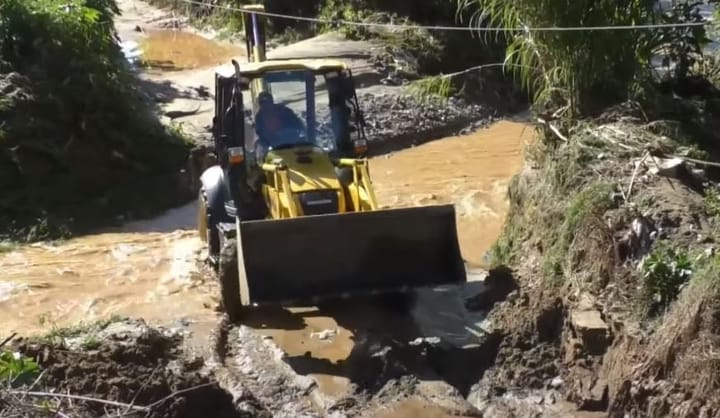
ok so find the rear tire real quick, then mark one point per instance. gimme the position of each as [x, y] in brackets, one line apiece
[229, 279]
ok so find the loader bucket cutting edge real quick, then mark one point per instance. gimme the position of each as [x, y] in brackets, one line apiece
[311, 258]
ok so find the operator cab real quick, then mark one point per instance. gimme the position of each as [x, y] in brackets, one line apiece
[303, 112]
[309, 103]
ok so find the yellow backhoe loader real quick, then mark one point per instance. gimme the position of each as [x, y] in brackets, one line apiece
[289, 213]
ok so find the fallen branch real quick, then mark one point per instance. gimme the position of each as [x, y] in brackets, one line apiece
[554, 130]
[132, 403]
[8, 339]
[618, 143]
[635, 173]
[694, 161]
[37, 380]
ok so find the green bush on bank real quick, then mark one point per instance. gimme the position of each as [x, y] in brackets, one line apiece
[589, 70]
[74, 125]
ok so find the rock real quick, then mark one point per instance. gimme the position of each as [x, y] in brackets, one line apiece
[304, 383]
[670, 167]
[499, 284]
[427, 340]
[592, 330]
[586, 301]
[324, 335]
[596, 398]
[556, 382]
[699, 174]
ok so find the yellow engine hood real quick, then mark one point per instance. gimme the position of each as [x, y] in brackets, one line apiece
[309, 168]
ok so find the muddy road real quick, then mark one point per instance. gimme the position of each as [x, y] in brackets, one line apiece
[358, 360]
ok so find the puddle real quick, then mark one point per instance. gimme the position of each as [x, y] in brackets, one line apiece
[170, 50]
[472, 171]
[412, 408]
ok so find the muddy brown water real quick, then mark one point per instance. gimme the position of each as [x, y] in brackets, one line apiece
[178, 50]
[471, 171]
[151, 269]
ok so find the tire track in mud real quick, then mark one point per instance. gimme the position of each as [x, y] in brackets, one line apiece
[391, 370]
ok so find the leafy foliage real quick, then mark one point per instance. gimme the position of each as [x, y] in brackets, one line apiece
[16, 369]
[588, 69]
[438, 86]
[75, 124]
[665, 271]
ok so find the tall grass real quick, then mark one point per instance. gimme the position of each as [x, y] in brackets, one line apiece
[584, 70]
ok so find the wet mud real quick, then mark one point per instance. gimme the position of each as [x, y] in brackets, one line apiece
[139, 370]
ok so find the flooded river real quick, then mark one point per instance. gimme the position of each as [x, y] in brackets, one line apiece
[158, 275]
[153, 270]
[471, 171]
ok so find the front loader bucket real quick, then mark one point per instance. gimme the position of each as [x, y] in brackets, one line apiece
[303, 260]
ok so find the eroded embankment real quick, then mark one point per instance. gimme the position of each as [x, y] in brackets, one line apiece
[612, 238]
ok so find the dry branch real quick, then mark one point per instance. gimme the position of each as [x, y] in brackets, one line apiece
[554, 130]
[8, 339]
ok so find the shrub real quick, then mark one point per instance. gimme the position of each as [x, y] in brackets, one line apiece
[588, 70]
[74, 122]
[665, 271]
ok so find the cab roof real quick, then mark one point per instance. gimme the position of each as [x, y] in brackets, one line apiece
[256, 69]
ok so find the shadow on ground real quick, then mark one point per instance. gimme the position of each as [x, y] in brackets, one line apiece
[392, 339]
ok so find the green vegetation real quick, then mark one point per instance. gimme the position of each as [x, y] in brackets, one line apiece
[712, 202]
[77, 138]
[429, 87]
[16, 369]
[587, 206]
[665, 271]
[586, 71]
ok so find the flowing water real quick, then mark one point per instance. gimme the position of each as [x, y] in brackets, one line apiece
[173, 50]
[152, 269]
[471, 171]
[157, 275]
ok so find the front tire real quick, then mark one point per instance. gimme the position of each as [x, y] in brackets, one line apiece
[229, 279]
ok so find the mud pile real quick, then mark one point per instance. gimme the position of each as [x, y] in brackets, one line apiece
[127, 368]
